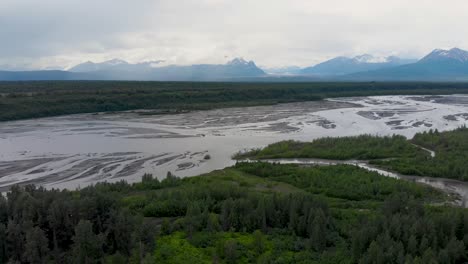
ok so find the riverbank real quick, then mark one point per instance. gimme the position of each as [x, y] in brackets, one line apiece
[75, 151]
[25, 100]
[429, 154]
[457, 190]
[251, 212]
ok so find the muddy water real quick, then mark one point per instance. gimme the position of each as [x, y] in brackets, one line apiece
[78, 150]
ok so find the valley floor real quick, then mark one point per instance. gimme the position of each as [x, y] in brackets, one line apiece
[251, 212]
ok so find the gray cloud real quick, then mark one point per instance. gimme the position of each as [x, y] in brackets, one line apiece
[46, 33]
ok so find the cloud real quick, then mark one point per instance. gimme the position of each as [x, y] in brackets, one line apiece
[60, 33]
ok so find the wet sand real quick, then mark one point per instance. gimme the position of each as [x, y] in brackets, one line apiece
[78, 150]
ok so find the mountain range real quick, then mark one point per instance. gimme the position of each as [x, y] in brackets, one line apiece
[345, 65]
[439, 65]
[147, 71]
[114, 65]
[122, 70]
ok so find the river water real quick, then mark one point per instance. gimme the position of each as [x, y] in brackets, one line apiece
[78, 150]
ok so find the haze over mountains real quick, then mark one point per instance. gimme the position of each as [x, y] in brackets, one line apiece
[121, 70]
[345, 65]
[439, 65]
[148, 71]
[113, 65]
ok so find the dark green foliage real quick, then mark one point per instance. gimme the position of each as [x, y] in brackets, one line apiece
[19, 100]
[15, 239]
[87, 246]
[251, 213]
[121, 224]
[3, 244]
[62, 226]
[451, 155]
[407, 230]
[340, 181]
[362, 147]
[36, 248]
[394, 153]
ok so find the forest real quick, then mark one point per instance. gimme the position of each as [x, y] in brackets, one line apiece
[21, 100]
[395, 153]
[451, 154]
[249, 213]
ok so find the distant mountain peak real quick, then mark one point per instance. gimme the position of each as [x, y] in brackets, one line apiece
[337, 59]
[457, 50]
[439, 65]
[286, 70]
[454, 54]
[115, 62]
[346, 65]
[393, 59]
[240, 61]
[364, 58]
[367, 58]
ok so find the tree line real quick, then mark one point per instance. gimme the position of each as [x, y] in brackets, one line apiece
[252, 212]
[390, 152]
[20, 100]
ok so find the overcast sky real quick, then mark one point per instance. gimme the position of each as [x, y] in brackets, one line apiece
[61, 33]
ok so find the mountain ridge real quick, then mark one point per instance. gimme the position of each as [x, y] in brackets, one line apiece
[345, 65]
[438, 65]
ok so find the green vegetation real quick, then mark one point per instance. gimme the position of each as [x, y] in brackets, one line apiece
[250, 213]
[364, 147]
[394, 153]
[451, 156]
[19, 100]
[342, 182]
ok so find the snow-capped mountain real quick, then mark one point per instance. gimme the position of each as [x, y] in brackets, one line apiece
[345, 65]
[367, 58]
[439, 65]
[115, 62]
[117, 69]
[239, 61]
[112, 65]
[288, 70]
[454, 54]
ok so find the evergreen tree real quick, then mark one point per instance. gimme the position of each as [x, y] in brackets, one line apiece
[87, 247]
[165, 227]
[412, 245]
[59, 221]
[225, 214]
[192, 219]
[429, 257]
[230, 251]
[15, 241]
[119, 232]
[375, 254]
[318, 235]
[213, 223]
[261, 215]
[3, 244]
[36, 248]
[259, 242]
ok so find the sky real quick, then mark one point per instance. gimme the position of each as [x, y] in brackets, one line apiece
[57, 34]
